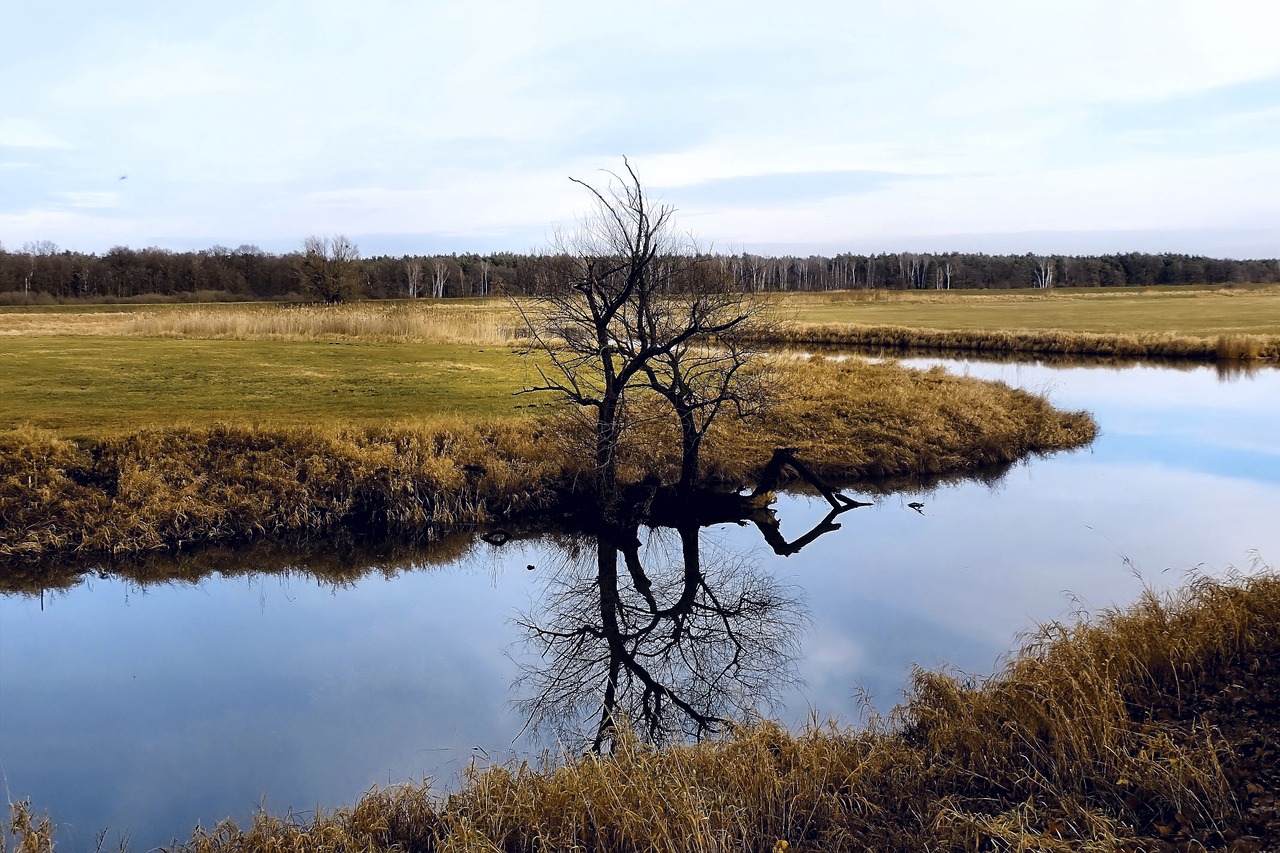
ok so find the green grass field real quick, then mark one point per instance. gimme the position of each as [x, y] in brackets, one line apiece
[94, 386]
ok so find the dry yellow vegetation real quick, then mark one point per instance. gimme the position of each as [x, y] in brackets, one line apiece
[170, 487]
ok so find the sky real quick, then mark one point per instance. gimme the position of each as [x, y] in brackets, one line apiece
[1055, 127]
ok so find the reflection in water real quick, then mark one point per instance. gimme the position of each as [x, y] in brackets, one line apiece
[1226, 369]
[146, 707]
[668, 636]
[338, 560]
[674, 648]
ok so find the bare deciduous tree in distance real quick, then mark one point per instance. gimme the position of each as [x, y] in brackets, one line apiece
[327, 267]
[413, 275]
[631, 307]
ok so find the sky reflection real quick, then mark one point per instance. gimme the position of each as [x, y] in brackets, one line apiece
[148, 710]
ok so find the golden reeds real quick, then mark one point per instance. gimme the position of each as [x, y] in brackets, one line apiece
[489, 322]
[437, 322]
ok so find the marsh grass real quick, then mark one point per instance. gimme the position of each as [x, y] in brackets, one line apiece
[1094, 736]
[471, 321]
[174, 488]
[171, 487]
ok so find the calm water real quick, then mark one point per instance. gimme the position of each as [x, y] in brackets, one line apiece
[148, 710]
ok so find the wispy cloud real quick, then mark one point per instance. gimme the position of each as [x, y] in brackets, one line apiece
[90, 200]
[26, 133]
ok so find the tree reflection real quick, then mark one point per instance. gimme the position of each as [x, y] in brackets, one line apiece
[675, 636]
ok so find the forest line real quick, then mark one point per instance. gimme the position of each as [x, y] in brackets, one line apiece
[42, 273]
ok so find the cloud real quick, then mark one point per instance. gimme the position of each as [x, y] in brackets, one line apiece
[783, 187]
[161, 73]
[26, 133]
[92, 200]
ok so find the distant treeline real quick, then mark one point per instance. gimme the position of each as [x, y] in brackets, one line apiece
[41, 272]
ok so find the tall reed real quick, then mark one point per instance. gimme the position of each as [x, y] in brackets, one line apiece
[438, 322]
[490, 322]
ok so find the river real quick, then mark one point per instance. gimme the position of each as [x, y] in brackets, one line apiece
[148, 709]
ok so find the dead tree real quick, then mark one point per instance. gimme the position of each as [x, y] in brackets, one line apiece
[629, 305]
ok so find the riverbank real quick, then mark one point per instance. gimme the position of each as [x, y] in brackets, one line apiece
[1202, 323]
[1225, 347]
[183, 487]
[1150, 728]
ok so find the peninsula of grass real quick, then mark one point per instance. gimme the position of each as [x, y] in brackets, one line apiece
[1147, 729]
[230, 425]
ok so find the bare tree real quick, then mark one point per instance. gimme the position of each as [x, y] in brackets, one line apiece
[1043, 272]
[439, 277]
[701, 376]
[629, 306]
[36, 249]
[328, 267]
[414, 273]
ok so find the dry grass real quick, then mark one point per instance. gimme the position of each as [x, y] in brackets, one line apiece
[478, 322]
[470, 322]
[1199, 323]
[1222, 323]
[1088, 739]
[174, 487]
[1053, 342]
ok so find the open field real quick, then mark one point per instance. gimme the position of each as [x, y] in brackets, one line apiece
[1148, 729]
[141, 430]
[1197, 323]
[97, 373]
[1183, 311]
[1225, 325]
[97, 386]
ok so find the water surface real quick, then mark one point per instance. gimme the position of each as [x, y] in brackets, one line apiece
[149, 709]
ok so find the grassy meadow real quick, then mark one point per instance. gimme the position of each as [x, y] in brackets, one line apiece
[1224, 324]
[153, 429]
[98, 386]
[100, 373]
[1200, 312]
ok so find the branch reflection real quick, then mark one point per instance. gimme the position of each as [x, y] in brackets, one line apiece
[675, 635]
